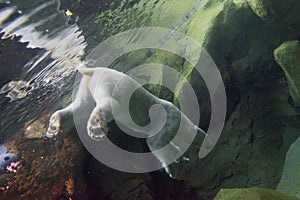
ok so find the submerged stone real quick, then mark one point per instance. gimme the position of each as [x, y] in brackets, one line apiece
[251, 194]
[290, 180]
[287, 56]
[37, 129]
[284, 15]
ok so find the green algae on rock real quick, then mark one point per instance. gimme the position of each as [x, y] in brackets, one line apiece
[290, 180]
[251, 194]
[222, 27]
[284, 15]
[287, 56]
[37, 129]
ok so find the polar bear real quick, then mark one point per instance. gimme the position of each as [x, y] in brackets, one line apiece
[100, 84]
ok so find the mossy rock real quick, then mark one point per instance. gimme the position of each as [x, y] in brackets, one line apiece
[290, 180]
[222, 27]
[287, 56]
[251, 194]
[284, 15]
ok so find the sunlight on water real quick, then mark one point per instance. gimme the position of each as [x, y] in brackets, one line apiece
[64, 46]
[46, 80]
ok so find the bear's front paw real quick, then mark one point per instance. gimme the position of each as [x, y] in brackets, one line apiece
[54, 125]
[96, 128]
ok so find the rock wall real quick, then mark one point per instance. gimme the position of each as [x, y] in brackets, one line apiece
[287, 56]
[251, 194]
[289, 183]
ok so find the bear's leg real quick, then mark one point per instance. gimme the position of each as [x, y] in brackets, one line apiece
[100, 116]
[56, 117]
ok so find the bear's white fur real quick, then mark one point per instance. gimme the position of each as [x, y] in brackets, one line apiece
[100, 85]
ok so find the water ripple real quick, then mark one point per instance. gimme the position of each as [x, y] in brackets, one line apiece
[46, 77]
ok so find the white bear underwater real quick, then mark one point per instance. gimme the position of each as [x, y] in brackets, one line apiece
[109, 89]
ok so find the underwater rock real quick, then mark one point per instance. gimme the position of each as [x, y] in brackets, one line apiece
[287, 56]
[52, 167]
[284, 15]
[251, 194]
[245, 57]
[37, 129]
[290, 180]
[106, 183]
